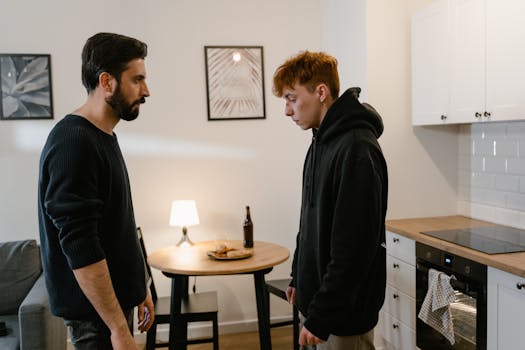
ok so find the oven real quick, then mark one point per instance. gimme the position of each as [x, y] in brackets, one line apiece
[469, 310]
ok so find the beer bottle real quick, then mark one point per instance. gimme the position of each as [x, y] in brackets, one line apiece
[248, 229]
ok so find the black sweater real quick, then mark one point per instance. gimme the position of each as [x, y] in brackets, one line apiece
[86, 215]
[339, 264]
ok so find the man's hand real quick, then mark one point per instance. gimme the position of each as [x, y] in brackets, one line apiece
[307, 338]
[146, 314]
[122, 339]
[290, 295]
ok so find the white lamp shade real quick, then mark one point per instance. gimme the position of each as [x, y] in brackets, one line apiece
[184, 213]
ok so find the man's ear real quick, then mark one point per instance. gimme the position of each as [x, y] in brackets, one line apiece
[106, 82]
[323, 92]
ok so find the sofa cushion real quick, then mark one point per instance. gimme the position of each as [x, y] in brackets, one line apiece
[20, 266]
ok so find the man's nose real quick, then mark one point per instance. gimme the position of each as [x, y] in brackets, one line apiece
[145, 90]
[288, 111]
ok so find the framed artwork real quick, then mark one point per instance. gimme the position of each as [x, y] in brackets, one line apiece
[235, 82]
[25, 86]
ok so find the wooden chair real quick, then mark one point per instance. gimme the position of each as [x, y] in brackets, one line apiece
[278, 288]
[199, 307]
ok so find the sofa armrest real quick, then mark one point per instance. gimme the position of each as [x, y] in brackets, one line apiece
[39, 329]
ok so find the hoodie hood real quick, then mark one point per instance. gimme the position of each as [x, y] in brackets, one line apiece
[348, 113]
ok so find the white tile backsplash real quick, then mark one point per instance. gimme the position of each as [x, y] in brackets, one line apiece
[491, 172]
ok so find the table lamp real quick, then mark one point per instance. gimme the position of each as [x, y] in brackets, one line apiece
[184, 214]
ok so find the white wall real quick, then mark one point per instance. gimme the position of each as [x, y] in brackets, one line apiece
[173, 152]
[421, 160]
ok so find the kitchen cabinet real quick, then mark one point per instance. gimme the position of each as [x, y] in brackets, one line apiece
[399, 310]
[430, 64]
[505, 310]
[473, 66]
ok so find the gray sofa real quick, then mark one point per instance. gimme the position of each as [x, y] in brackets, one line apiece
[24, 305]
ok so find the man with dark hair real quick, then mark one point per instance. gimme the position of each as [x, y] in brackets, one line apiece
[92, 261]
[339, 268]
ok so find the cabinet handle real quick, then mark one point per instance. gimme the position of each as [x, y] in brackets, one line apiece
[395, 296]
[443, 117]
[477, 115]
[396, 240]
[395, 326]
[520, 285]
[486, 114]
[396, 266]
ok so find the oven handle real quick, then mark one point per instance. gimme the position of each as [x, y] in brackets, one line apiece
[462, 286]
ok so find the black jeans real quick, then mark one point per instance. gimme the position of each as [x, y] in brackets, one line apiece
[93, 335]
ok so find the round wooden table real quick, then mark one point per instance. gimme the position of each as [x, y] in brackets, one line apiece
[179, 263]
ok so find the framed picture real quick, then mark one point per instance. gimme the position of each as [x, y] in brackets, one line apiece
[26, 86]
[235, 82]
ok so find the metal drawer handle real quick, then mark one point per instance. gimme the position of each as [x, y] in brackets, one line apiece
[520, 285]
[395, 296]
[396, 240]
[396, 266]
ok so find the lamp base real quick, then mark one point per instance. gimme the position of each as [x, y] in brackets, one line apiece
[184, 240]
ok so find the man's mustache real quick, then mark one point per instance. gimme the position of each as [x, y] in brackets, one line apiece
[140, 101]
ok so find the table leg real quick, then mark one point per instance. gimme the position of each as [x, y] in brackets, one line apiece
[178, 334]
[263, 313]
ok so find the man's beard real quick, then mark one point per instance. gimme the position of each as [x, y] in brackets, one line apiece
[123, 109]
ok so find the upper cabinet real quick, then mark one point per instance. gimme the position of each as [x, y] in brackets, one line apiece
[430, 66]
[469, 69]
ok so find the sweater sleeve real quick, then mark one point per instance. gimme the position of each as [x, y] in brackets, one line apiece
[72, 199]
[355, 240]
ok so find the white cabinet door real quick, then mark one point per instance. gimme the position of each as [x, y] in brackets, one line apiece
[467, 101]
[430, 64]
[505, 59]
[401, 247]
[505, 310]
[398, 335]
[401, 275]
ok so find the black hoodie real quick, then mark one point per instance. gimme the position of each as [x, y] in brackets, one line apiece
[339, 267]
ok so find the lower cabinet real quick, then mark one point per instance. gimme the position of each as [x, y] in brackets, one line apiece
[399, 311]
[505, 310]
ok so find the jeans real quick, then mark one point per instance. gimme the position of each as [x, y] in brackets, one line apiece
[334, 342]
[93, 335]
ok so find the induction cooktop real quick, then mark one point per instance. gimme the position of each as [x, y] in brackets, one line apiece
[489, 239]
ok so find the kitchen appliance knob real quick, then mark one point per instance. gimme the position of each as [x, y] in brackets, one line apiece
[486, 114]
[395, 296]
[396, 266]
[396, 240]
[477, 115]
[520, 285]
[395, 326]
[443, 117]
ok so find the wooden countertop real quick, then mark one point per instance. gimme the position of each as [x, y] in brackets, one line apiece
[512, 262]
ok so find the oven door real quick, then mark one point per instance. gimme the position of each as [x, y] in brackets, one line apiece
[469, 313]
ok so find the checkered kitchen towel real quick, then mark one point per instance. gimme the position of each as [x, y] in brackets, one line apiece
[435, 310]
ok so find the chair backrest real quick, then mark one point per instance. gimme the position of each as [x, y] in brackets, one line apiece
[147, 268]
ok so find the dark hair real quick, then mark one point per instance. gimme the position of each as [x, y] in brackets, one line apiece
[111, 53]
[308, 69]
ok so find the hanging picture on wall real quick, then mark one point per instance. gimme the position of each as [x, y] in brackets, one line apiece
[26, 86]
[235, 82]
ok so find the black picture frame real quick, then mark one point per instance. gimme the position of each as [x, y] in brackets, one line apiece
[235, 82]
[25, 86]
